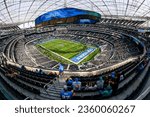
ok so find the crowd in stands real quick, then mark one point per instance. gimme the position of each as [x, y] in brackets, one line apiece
[118, 48]
[105, 85]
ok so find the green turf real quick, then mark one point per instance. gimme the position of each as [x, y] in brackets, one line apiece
[64, 48]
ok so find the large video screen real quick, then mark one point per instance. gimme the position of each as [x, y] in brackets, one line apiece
[66, 13]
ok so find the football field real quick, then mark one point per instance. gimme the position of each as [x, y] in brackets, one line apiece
[59, 49]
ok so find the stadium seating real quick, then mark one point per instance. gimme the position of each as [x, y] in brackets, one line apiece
[120, 54]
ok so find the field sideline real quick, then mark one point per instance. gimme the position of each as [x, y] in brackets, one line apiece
[59, 49]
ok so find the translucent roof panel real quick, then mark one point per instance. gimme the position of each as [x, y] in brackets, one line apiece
[21, 11]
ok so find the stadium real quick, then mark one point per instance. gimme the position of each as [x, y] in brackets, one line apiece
[75, 50]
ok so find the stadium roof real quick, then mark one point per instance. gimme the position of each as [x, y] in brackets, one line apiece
[21, 11]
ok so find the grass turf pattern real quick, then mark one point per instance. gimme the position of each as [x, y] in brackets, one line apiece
[63, 50]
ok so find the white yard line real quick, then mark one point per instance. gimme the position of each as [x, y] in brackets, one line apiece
[57, 54]
[67, 58]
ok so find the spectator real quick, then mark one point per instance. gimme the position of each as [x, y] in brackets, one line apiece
[113, 74]
[22, 67]
[100, 83]
[61, 70]
[107, 91]
[69, 82]
[65, 94]
[52, 75]
[94, 87]
[76, 85]
[86, 87]
[140, 67]
[114, 84]
[41, 71]
[106, 81]
[4, 61]
[11, 73]
[121, 77]
[37, 71]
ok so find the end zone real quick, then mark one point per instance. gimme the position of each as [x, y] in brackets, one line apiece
[78, 58]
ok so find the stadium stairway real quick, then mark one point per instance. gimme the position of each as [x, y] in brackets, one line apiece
[26, 90]
[52, 91]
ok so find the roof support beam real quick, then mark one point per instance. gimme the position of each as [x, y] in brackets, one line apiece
[126, 7]
[38, 9]
[106, 7]
[19, 10]
[29, 9]
[116, 7]
[97, 7]
[8, 11]
[139, 7]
